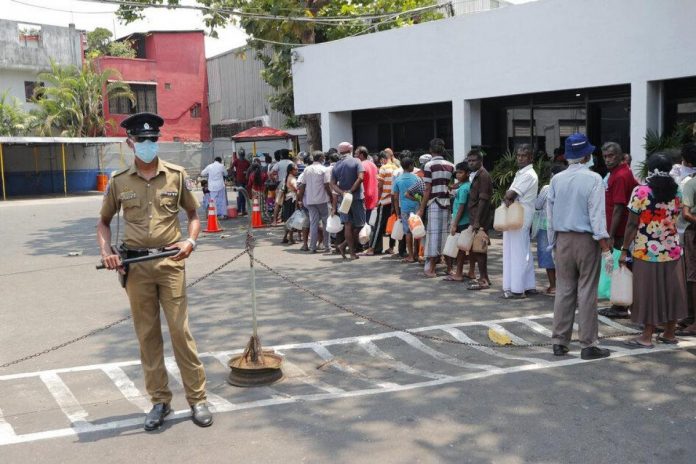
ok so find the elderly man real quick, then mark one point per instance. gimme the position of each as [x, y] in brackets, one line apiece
[216, 184]
[518, 261]
[577, 230]
[619, 186]
[438, 174]
[315, 195]
[347, 177]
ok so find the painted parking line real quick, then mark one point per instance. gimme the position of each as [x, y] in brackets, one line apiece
[77, 417]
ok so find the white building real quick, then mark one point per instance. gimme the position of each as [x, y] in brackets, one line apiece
[527, 73]
[26, 49]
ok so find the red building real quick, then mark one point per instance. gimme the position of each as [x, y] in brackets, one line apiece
[168, 77]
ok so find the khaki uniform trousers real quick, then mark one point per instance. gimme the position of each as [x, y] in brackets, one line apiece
[149, 284]
[578, 259]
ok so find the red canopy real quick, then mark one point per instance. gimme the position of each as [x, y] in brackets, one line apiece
[260, 133]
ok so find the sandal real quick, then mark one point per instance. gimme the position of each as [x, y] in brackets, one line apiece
[666, 341]
[478, 285]
[612, 313]
[513, 296]
[451, 278]
[685, 333]
[633, 342]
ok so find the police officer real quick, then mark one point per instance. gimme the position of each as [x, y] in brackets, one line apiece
[151, 192]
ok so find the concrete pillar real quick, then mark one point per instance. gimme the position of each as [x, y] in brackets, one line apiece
[336, 127]
[646, 114]
[466, 127]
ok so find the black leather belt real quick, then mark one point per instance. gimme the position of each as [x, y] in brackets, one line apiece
[143, 252]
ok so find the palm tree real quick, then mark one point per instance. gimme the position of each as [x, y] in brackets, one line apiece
[72, 101]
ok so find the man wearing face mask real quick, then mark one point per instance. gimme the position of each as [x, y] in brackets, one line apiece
[151, 192]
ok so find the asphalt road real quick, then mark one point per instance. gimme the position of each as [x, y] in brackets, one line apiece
[355, 391]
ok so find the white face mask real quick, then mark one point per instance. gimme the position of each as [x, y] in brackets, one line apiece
[146, 151]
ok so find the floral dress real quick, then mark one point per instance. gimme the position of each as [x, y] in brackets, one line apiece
[657, 239]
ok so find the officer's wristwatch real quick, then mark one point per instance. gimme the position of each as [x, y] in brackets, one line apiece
[192, 242]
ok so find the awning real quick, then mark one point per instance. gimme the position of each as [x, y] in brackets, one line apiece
[256, 134]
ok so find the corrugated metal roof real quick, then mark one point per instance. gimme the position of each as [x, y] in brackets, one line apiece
[61, 140]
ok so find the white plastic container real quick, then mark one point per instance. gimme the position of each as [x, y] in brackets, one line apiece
[333, 225]
[621, 287]
[364, 235]
[451, 249]
[500, 218]
[466, 239]
[347, 200]
[373, 218]
[398, 230]
[515, 216]
[415, 224]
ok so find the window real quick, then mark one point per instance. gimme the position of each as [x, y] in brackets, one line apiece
[196, 110]
[145, 100]
[29, 87]
[167, 86]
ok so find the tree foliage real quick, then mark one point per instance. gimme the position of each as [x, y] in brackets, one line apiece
[99, 43]
[71, 103]
[14, 121]
[285, 33]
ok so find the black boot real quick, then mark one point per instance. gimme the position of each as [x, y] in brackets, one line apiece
[155, 418]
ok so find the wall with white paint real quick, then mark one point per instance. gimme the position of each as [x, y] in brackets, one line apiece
[536, 47]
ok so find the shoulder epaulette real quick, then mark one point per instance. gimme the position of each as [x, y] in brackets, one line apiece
[118, 173]
[173, 167]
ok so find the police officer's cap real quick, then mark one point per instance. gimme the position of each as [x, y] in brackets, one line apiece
[143, 125]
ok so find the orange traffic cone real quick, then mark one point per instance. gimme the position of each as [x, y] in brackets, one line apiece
[256, 221]
[212, 224]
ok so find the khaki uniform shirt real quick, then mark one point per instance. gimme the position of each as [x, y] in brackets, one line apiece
[150, 208]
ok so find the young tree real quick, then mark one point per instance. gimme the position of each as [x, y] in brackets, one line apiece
[99, 43]
[276, 22]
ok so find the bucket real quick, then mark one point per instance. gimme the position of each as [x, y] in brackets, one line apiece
[102, 182]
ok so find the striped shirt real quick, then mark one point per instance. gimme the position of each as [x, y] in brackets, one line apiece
[439, 172]
[386, 175]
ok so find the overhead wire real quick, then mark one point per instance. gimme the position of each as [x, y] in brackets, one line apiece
[48, 8]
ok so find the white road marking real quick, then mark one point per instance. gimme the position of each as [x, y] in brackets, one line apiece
[65, 399]
[293, 370]
[536, 327]
[616, 325]
[417, 344]
[90, 428]
[127, 387]
[373, 350]
[6, 429]
[462, 337]
[345, 368]
[217, 402]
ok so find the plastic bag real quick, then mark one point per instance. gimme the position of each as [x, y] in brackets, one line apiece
[333, 224]
[604, 288]
[466, 239]
[364, 235]
[398, 231]
[346, 201]
[298, 221]
[480, 244]
[451, 249]
[390, 224]
[538, 223]
[621, 287]
[500, 218]
[415, 224]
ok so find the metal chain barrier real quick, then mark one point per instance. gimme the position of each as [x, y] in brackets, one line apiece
[410, 332]
[114, 323]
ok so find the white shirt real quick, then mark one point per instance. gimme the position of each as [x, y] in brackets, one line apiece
[314, 178]
[216, 176]
[525, 185]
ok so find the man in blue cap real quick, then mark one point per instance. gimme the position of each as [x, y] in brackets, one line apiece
[151, 192]
[577, 231]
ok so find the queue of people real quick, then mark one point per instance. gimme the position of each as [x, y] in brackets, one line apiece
[580, 221]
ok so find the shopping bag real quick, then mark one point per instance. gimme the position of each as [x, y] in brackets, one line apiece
[604, 289]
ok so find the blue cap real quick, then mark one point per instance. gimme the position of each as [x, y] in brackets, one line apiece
[578, 146]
